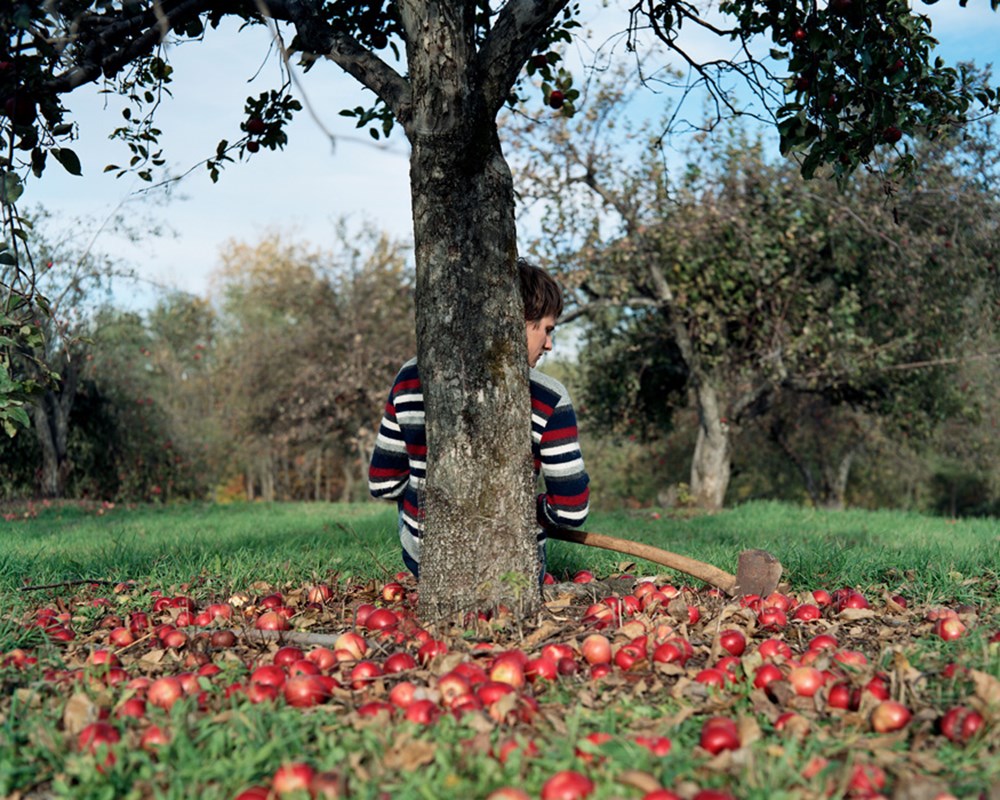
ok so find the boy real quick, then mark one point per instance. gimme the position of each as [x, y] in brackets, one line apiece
[399, 462]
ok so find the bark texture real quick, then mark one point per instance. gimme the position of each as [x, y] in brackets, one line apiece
[712, 463]
[478, 550]
[51, 415]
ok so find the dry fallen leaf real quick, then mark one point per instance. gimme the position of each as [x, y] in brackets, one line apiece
[80, 711]
[408, 754]
[987, 687]
[637, 779]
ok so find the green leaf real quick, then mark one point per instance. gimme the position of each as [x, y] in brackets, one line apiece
[68, 159]
[11, 188]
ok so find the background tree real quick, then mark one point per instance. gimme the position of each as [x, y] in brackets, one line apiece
[310, 342]
[461, 64]
[737, 282]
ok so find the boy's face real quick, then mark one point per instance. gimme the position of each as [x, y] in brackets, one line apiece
[539, 338]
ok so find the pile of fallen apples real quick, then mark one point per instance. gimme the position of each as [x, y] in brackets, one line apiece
[744, 669]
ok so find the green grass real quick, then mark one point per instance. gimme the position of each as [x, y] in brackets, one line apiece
[930, 556]
[208, 552]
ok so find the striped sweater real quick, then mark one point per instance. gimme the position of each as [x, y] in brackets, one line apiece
[399, 462]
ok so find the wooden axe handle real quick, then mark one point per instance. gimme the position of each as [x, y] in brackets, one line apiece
[698, 569]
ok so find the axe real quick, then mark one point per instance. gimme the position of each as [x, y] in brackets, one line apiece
[757, 571]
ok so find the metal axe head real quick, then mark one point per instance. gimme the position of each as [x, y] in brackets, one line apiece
[757, 572]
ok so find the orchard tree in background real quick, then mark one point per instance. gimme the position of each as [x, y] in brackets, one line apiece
[737, 283]
[302, 364]
[458, 64]
[75, 279]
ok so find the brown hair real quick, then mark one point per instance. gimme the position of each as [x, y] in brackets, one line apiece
[541, 294]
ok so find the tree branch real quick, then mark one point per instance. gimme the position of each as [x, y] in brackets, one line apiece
[514, 36]
[318, 37]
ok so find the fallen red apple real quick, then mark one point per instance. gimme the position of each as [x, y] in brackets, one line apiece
[718, 734]
[508, 668]
[352, 643]
[733, 642]
[596, 649]
[422, 712]
[657, 745]
[567, 785]
[960, 724]
[950, 628]
[890, 715]
[292, 777]
[382, 619]
[806, 681]
[363, 673]
[134, 707]
[271, 621]
[165, 691]
[508, 793]
[270, 675]
[303, 691]
[393, 592]
[430, 650]
[153, 738]
[98, 738]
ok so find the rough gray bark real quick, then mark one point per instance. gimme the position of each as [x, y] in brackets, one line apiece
[51, 415]
[712, 462]
[471, 343]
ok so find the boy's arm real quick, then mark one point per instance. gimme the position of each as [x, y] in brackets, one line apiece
[566, 501]
[389, 470]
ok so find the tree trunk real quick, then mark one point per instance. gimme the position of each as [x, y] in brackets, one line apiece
[835, 482]
[52, 429]
[712, 464]
[471, 343]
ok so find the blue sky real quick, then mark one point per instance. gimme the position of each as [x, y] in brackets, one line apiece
[329, 169]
